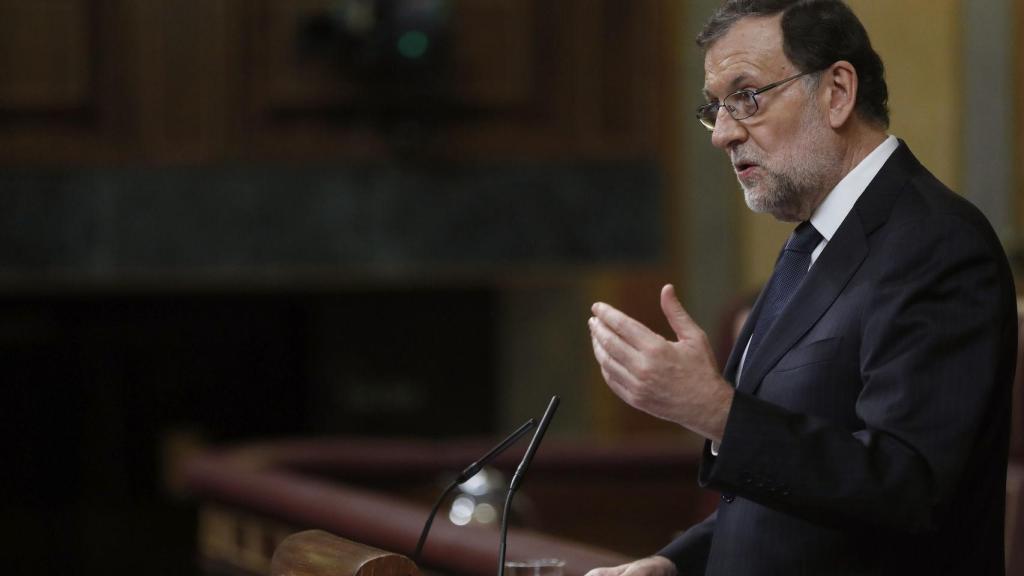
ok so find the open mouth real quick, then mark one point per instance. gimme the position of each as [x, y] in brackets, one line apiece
[743, 168]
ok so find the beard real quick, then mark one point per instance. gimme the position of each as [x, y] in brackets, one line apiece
[791, 184]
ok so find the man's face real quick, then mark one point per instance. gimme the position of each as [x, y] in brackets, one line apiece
[786, 154]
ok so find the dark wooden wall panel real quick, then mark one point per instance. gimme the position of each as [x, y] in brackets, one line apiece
[46, 53]
[177, 70]
[64, 94]
[1019, 111]
[198, 81]
[492, 56]
[495, 53]
[281, 78]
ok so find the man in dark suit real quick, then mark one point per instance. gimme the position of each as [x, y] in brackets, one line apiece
[861, 423]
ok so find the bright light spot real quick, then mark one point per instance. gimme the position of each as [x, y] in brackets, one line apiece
[478, 484]
[485, 514]
[413, 44]
[462, 510]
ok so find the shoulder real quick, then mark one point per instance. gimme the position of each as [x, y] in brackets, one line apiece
[925, 232]
[926, 212]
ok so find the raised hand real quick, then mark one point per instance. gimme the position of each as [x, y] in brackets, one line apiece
[677, 381]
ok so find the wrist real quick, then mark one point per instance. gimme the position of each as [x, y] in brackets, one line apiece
[716, 412]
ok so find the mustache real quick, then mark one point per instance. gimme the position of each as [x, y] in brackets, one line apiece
[738, 157]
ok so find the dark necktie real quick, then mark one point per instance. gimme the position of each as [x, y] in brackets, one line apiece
[789, 272]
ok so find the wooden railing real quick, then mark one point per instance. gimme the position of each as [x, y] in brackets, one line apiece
[253, 497]
[317, 553]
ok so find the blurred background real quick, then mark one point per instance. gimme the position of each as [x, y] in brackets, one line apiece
[226, 221]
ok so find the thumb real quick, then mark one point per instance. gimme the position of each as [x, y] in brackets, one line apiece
[676, 315]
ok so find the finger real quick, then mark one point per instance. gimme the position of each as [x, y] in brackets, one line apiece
[610, 340]
[680, 321]
[618, 379]
[683, 324]
[617, 376]
[632, 332]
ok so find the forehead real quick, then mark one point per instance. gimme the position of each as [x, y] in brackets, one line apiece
[749, 54]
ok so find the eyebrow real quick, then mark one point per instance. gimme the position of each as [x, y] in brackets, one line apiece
[733, 86]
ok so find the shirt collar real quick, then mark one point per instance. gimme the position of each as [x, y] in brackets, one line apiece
[833, 210]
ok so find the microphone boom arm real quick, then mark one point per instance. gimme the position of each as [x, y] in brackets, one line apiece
[465, 475]
[517, 478]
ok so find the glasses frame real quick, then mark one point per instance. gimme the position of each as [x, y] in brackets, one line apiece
[752, 94]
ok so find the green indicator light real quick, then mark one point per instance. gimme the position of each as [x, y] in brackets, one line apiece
[413, 45]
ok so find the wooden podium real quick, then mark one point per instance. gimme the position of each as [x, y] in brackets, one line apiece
[317, 553]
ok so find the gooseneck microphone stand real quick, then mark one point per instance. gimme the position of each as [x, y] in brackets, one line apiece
[517, 478]
[465, 475]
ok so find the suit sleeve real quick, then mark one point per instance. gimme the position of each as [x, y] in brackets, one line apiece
[935, 331]
[689, 552]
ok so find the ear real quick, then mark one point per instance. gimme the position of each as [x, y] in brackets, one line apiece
[840, 80]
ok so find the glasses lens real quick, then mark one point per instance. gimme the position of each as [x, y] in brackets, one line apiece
[707, 115]
[741, 104]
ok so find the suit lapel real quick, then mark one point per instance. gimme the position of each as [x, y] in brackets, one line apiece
[842, 256]
[823, 283]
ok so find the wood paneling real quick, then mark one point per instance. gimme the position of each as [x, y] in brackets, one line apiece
[197, 81]
[530, 79]
[46, 53]
[60, 95]
[280, 78]
[177, 73]
[595, 89]
[494, 56]
[1019, 113]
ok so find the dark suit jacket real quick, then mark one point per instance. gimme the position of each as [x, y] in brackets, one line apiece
[869, 431]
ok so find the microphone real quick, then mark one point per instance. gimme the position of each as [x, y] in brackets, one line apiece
[517, 478]
[468, 473]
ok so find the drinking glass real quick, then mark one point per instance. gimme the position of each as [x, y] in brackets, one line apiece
[538, 567]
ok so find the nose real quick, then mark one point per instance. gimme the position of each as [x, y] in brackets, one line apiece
[728, 132]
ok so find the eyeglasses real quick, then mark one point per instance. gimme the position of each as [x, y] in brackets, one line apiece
[741, 104]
